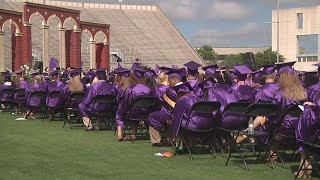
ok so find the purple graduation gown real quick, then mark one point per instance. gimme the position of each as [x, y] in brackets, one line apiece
[39, 87]
[266, 93]
[23, 84]
[100, 88]
[129, 94]
[308, 126]
[157, 119]
[181, 114]
[243, 92]
[55, 86]
[313, 92]
[6, 97]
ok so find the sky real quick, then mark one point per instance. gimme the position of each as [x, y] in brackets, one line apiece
[227, 23]
[222, 23]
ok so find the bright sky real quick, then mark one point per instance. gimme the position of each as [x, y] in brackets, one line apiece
[227, 23]
[222, 23]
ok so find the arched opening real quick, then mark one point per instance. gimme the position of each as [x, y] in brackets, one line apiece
[37, 21]
[70, 25]
[9, 44]
[101, 56]
[86, 36]
[54, 42]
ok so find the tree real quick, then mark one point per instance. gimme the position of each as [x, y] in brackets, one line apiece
[267, 57]
[233, 59]
[207, 53]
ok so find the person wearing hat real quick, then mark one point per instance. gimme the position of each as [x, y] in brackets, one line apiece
[241, 90]
[192, 73]
[101, 87]
[37, 85]
[267, 92]
[123, 81]
[55, 85]
[138, 88]
[8, 84]
[158, 119]
[74, 85]
[182, 110]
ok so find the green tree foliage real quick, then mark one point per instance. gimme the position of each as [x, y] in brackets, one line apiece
[207, 53]
[233, 59]
[267, 57]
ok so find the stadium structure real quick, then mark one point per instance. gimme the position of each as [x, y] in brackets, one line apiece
[88, 35]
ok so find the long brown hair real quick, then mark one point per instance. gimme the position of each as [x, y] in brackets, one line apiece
[75, 84]
[291, 87]
[125, 82]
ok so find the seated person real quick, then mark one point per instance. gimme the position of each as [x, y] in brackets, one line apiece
[88, 106]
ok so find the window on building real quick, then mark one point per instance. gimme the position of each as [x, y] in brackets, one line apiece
[307, 48]
[300, 20]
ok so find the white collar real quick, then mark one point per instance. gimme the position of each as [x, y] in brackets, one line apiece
[179, 83]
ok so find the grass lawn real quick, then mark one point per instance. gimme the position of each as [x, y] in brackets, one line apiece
[36, 149]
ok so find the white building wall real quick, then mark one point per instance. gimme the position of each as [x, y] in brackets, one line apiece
[288, 32]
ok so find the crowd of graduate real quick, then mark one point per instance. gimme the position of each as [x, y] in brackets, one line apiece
[177, 89]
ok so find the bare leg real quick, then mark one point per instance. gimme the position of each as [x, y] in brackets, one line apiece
[120, 133]
[155, 137]
[307, 168]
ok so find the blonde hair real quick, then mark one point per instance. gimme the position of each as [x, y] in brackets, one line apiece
[37, 79]
[162, 79]
[125, 82]
[75, 84]
[291, 87]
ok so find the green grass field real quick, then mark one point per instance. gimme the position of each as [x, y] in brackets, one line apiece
[36, 149]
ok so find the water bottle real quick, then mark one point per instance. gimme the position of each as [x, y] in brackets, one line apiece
[250, 126]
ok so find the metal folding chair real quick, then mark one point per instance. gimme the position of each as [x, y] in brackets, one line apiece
[145, 105]
[107, 113]
[205, 109]
[40, 96]
[258, 109]
[20, 100]
[73, 112]
[54, 95]
[7, 99]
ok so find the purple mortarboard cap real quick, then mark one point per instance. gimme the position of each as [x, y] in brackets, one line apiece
[183, 88]
[175, 73]
[54, 73]
[124, 72]
[183, 72]
[101, 71]
[269, 69]
[164, 69]
[208, 83]
[54, 64]
[90, 74]
[65, 75]
[285, 67]
[6, 74]
[192, 67]
[139, 73]
[256, 76]
[136, 65]
[232, 76]
[175, 67]
[150, 74]
[241, 72]
[211, 69]
[75, 72]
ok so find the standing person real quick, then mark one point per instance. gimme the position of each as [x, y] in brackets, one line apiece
[88, 106]
[138, 88]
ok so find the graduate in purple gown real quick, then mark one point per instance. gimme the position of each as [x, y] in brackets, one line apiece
[240, 90]
[88, 106]
[314, 89]
[307, 130]
[123, 82]
[37, 85]
[182, 110]
[267, 92]
[158, 119]
[74, 85]
[210, 73]
[8, 84]
[137, 88]
[192, 73]
[55, 85]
